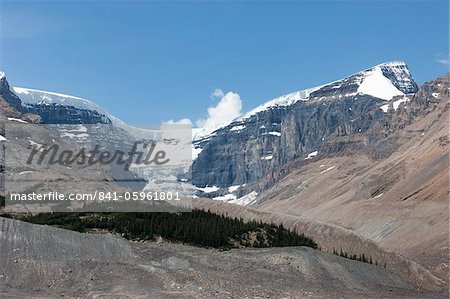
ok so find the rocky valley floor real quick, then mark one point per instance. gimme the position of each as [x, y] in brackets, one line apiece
[47, 262]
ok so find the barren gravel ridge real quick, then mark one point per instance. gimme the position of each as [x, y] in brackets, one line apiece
[47, 262]
[330, 237]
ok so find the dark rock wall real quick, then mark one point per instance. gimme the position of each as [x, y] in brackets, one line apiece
[233, 158]
[9, 96]
[61, 114]
[331, 122]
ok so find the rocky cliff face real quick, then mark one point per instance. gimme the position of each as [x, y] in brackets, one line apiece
[44, 107]
[295, 126]
[52, 113]
[10, 102]
[56, 108]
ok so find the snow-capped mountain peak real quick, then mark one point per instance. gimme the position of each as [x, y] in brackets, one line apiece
[284, 100]
[382, 81]
[33, 97]
[398, 73]
[377, 85]
[58, 108]
[387, 80]
[30, 96]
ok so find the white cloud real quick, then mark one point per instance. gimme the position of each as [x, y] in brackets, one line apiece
[442, 59]
[217, 94]
[228, 108]
[183, 121]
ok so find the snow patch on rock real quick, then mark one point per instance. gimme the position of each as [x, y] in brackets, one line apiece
[237, 128]
[17, 120]
[397, 103]
[385, 108]
[273, 133]
[282, 101]
[269, 157]
[226, 197]
[208, 189]
[195, 152]
[311, 155]
[245, 200]
[328, 169]
[231, 189]
[377, 85]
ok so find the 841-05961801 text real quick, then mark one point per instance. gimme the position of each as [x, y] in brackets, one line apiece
[143, 195]
[97, 195]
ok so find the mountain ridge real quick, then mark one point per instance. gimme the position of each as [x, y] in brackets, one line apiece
[396, 72]
[287, 128]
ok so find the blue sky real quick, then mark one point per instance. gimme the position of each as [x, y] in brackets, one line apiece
[148, 62]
